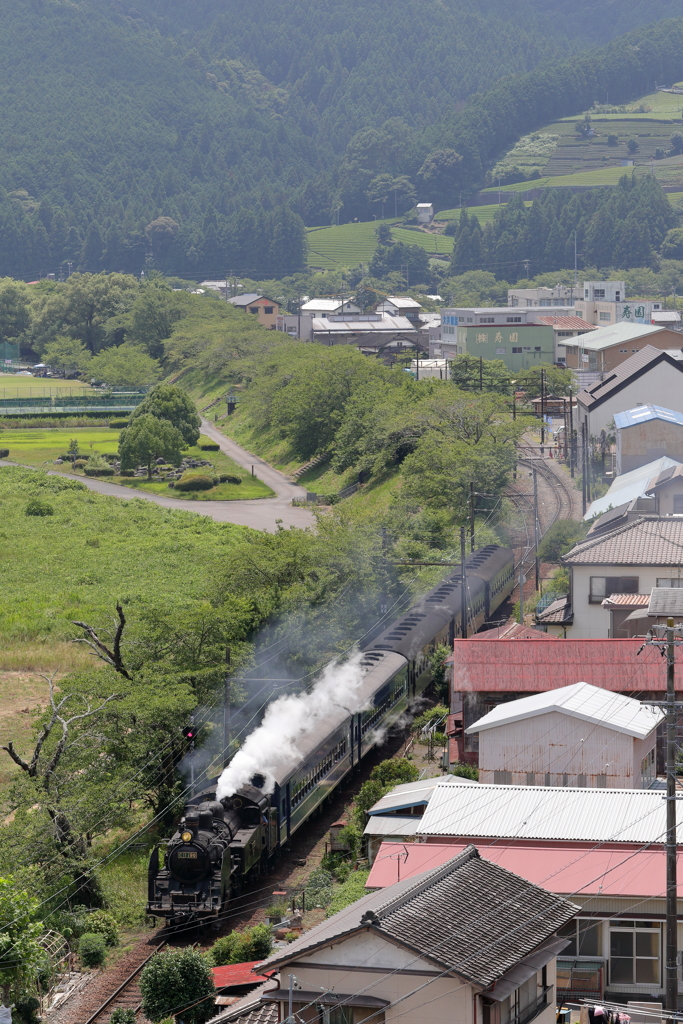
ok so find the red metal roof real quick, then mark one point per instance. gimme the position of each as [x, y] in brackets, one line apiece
[232, 975]
[514, 667]
[567, 323]
[569, 869]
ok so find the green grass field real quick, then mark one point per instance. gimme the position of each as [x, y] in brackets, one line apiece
[12, 385]
[41, 447]
[93, 551]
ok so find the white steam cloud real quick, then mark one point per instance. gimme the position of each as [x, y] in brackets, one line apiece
[275, 747]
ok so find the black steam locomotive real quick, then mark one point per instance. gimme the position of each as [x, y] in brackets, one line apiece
[219, 846]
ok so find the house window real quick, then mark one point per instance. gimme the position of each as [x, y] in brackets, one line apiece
[664, 581]
[268, 309]
[678, 504]
[634, 953]
[537, 348]
[598, 293]
[604, 316]
[617, 296]
[531, 778]
[487, 320]
[647, 768]
[601, 782]
[602, 586]
[253, 309]
[516, 351]
[584, 936]
[513, 320]
[502, 778]
[581, 781]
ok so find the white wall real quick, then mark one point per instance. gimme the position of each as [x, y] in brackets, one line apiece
[561, 745]
[661, 385]
[592, 621]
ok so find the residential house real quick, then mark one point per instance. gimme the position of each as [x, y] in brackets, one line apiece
[625, 612]
[601, 848]
[559, 295]
[259, 305]
[322, 308]
[465, 943]
[667, 491]
[425, 213]
[400, 305]
[647, 433]
[580, 732]
[665, 318]
[564, 327]
[629, 487]
[234, 981]
[608, 347]
[486, 674]
[629, 560]
[421, 369]
[644, 377]
[296, 325]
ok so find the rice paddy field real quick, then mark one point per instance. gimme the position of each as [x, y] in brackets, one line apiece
[39, 448]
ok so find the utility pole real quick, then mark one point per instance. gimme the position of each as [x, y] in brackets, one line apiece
[227, 695]
[522, 581]
[298, 319]
[583, 467]
[463, 587]
[666, 645]
[542, 409]
[481, 373]
[471, 517]
[571, 436]
[536, 530]
[671, 841]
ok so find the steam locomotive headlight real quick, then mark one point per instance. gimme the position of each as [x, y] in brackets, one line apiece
[186, 837]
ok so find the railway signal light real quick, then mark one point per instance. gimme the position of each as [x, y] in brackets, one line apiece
[189, 732]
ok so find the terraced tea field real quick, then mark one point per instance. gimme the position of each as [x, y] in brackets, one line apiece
[483, 213]
[436, 245]
[344, 246]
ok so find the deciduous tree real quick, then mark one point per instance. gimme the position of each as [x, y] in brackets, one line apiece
[147, 439]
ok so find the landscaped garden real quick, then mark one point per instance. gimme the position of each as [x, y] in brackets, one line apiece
[221, 478]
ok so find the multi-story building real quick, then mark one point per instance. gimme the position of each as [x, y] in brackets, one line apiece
[559, 295]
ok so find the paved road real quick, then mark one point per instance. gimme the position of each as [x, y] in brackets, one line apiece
[259, 513]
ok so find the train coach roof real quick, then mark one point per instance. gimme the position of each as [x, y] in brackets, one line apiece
[418, 626]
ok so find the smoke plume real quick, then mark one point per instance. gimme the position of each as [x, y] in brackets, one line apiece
[276, 746]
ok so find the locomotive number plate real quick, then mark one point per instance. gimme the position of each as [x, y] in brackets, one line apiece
[187, 854]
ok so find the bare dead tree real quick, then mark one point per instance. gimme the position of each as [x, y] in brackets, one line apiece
[111, 656]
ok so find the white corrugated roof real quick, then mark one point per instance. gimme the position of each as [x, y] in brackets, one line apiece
[536, 812]
[628, 486]
[326, 304]
[410, 794]
[391, 825]
[580, 700]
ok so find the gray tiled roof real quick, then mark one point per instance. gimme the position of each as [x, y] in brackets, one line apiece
[630, 369]
[649, 540]
[468, 916]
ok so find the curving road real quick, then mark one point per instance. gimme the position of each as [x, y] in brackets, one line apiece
[259, 513]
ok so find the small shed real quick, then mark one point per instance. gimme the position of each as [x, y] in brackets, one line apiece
[425, 213]
[578, 735]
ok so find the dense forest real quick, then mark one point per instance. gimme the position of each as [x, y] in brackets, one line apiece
[196, 142]
[615, 227]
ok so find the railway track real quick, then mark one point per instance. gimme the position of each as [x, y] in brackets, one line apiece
[115, 989]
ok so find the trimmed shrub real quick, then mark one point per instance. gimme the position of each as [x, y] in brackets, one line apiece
[194, 483]
[80, 463]
[102, 923]
[36, 507]
[230, 478]
[92, 949]
[98, 470]
[174, 979]
[4, 453]
[119, 424]
[209, 447]
[121, 1015]
[242, 947]
[127, 472]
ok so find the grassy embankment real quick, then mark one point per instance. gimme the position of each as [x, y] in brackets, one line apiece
[40, 448]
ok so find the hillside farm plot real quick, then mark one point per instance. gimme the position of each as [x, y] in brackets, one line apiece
[436, 245]
[344, 246]
[39, 447]
[484, 214]
[14, 385]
